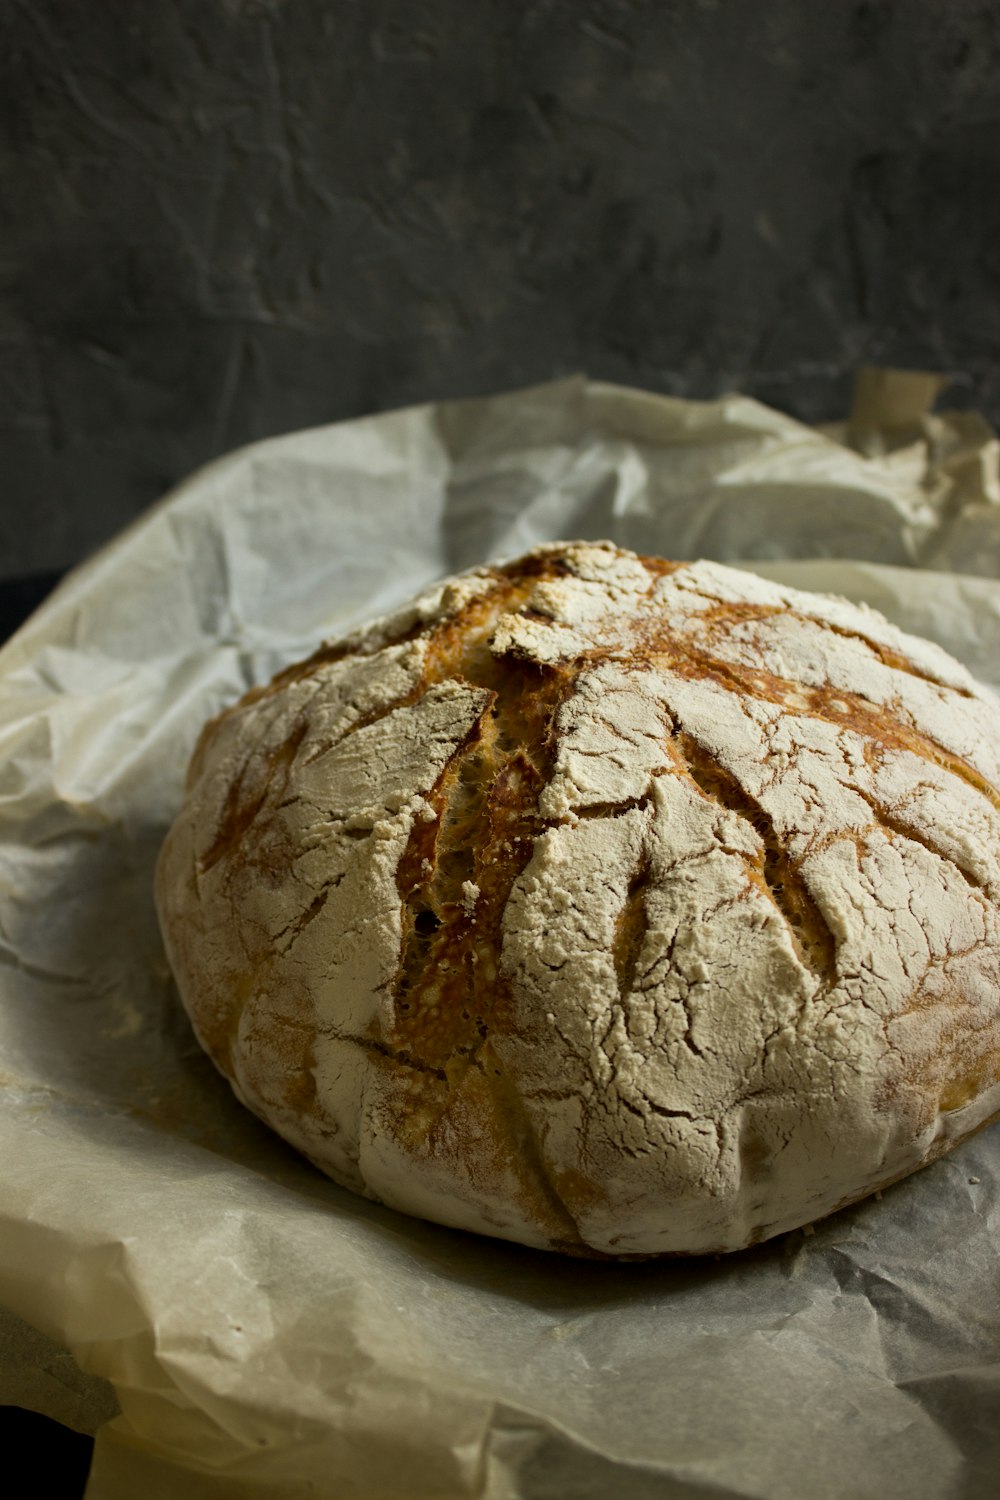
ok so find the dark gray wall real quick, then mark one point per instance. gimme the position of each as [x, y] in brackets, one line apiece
[225, 219]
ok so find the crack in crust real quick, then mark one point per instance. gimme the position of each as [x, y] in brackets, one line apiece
[897, 827]
[730, 615]
[454, 880]
[841, 708]
[249, 794]
[775, 871]
[631, 928]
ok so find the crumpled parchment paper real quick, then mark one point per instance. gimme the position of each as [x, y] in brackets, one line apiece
[267, 1334]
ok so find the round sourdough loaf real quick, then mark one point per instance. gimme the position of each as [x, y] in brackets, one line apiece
[607, 904]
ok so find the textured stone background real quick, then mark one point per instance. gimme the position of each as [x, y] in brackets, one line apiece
[228, 218]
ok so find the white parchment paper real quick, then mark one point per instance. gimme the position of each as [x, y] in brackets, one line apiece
[267, 1334]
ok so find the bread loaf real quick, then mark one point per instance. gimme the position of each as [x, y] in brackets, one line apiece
[611, 905]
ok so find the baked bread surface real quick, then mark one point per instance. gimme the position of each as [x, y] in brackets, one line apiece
[606, 904]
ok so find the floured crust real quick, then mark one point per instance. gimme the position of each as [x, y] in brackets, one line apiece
[601, 903]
